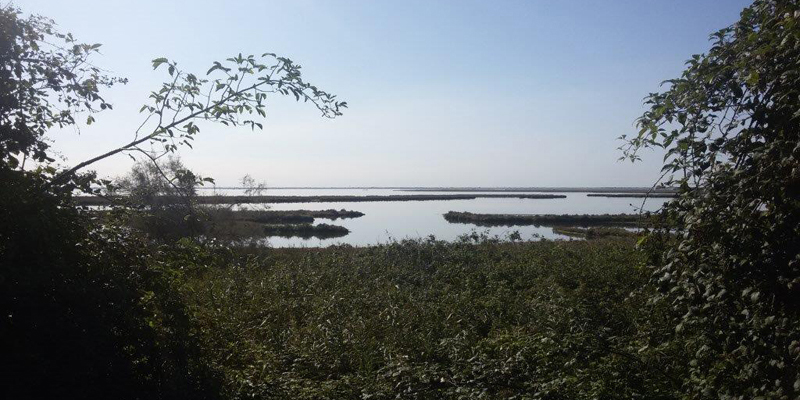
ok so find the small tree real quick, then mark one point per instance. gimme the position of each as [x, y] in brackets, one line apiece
[730, 126]
[46, 81]
[87, 310]
[164, 194]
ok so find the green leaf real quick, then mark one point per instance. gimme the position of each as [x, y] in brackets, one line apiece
[158, 61]
[752, 79]
[216, 66]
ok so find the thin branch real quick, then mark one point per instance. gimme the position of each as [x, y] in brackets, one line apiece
[68, 173]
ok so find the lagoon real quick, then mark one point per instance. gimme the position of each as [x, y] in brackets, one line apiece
[386, 221]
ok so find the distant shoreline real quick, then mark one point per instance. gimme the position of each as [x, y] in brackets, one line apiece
[620, 190]
[532, 189]
[235, 199]
[637, 195]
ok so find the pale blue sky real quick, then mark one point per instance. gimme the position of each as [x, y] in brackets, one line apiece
[441, 93]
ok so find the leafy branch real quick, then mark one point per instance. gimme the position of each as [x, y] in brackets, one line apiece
[233, 94]
[46, 80]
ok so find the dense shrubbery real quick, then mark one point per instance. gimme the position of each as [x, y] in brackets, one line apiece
[731, 272]
[86, 312]
[429, 320]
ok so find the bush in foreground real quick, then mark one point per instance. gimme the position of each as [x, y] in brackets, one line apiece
[428, 319]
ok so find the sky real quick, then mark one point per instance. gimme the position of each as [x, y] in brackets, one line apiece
[440, 93]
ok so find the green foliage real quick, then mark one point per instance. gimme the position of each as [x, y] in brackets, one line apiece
[429, 320]
[730, 126]
[233, 94]
[46, 81]
[235, 91]
[86, 312]
[89, 308]
[160, 197]
[149, 182]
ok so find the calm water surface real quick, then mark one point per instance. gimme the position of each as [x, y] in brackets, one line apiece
[396, 220]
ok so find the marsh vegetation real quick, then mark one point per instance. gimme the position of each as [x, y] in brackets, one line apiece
[322, 231]
[281, 216]
[429, 319]
[249, 225]
[545, 219]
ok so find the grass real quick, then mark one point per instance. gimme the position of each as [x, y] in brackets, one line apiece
[544, 219]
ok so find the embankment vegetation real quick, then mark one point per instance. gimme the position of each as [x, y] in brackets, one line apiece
[291, 216]
[216, 215]
[250, 225]
[239, 231]
[545, 219]
[593, 233]
[305, 231]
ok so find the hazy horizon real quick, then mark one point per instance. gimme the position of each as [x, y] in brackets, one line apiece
[444, 94]
[211, 186]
